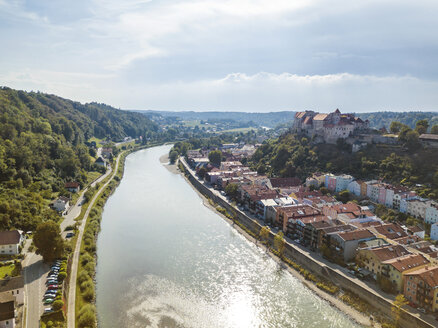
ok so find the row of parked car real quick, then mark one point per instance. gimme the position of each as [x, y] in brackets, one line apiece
[53, 287]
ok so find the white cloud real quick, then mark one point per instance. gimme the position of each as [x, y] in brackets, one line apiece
[267, 91]
[169, 53]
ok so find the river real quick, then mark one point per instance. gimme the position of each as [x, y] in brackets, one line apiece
[166, 260]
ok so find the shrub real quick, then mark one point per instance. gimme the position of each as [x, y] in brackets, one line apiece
[83, 276]
[88, 294]
[87, 316]
[86, 285]
[57, 305]
[61, 276]
[86, 258]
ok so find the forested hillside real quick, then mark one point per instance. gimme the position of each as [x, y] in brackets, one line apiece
[384, 119]
[291, 155]
[42, 146]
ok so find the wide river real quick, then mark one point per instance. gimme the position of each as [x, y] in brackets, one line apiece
[166, 260]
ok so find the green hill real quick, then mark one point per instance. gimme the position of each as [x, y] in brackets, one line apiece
[42, 145]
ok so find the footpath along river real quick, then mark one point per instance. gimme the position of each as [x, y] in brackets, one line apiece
[166, 260]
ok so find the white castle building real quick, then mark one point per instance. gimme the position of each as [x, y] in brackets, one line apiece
[330, 127]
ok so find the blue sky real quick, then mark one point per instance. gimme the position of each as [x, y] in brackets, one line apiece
[261, 55]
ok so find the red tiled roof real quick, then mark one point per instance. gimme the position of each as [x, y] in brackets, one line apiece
[285, 182]
[428, 274]
[407, 262]
[9, 237]
[356, 235]
[389, 252]
[71, 184]
[320, 117]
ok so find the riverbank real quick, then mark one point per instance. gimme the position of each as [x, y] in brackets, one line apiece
[352, 313]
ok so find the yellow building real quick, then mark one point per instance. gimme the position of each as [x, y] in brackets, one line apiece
[372, 258]
[395, 269]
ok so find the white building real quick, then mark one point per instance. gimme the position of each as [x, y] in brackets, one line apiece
[61, 204]
[354, 187]
[417, 208]
[10, 242]
[13, 286]
[7, 311]
[434, 231]
[432, 213]
[342, 182]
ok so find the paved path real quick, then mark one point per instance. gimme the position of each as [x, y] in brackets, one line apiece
[71, 308]
[35, 272]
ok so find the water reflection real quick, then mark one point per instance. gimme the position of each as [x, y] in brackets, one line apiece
[165, 260]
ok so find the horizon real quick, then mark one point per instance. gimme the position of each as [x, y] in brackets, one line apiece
[239, 56]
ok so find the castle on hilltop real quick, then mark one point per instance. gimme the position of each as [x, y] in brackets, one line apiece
[330, 127]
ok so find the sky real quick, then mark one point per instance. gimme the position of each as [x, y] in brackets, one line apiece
[234, 55]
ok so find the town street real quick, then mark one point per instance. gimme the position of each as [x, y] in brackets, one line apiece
[35, 273]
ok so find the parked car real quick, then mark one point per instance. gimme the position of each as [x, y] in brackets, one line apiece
[49, 301]
[421, 310]
[69, 235]
[51, 282]
[48, 310]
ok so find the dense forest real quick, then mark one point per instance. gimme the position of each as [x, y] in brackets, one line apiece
[42, 145]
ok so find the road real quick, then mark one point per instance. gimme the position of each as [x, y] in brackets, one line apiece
[71, 315]
[35, 273]
[75, 210]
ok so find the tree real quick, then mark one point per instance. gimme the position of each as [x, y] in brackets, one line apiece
[279, 243]
[434, 129]
[396, 127]
[173, 155]
[232, 190]
[422, 126]
[48, 241]
[412, 140]
[396, 309]
[57, 305]
[324, 190]
[215, 157]
[264, 234]
[202, 171]
[344, 196]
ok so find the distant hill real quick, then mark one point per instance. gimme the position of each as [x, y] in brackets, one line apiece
[285, 118]
[270, 120]
[380, 119]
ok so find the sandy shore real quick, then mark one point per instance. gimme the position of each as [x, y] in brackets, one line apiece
[171, 167]
[355, 315]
